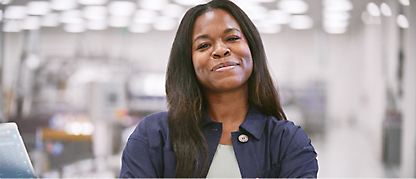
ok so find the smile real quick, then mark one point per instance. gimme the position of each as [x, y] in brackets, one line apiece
[225, 66]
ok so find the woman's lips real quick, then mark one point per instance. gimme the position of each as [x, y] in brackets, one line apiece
[224, 66]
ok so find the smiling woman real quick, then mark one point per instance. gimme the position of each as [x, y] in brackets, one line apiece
[224, 117]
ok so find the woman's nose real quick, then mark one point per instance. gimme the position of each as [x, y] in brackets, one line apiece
[221, 50]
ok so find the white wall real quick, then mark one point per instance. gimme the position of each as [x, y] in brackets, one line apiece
[409, 95]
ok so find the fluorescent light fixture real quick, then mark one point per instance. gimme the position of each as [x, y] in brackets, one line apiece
[173, 10]
[95, 12]
[15, 12]
[38, 8]
[144, 16]
[385, 9]
[63, 5]
[405, 2]
[293, 6]
[190, 2]
[100, 24]
[71, 16]
[336, 15]
[338, 5]
[119, 21]
[366, 18]
[301, 22]
[156, 5]
[75, 27]
[165, 23]
[31, 23]
[92, 2]
[50, 20]
[402, 21]
[122, 8]
[373, 9]
[139, 27]
[279, 17]
[332, 30]
[1, 15]
[335, 23]
[12, 26]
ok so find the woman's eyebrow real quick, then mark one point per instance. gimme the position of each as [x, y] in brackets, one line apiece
[203, 36]
[231, 29]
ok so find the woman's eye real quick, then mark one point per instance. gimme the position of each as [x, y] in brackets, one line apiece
[202, 46]
[233, 38]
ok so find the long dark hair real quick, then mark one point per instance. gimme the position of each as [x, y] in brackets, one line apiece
[184, 92]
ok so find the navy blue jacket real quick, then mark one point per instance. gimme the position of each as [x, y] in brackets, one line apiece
[275, 149]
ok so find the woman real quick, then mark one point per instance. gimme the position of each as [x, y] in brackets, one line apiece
[224, 117]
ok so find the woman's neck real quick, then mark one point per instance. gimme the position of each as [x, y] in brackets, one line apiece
[228, 107]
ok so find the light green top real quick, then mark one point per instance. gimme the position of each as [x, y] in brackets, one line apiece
[224, 164]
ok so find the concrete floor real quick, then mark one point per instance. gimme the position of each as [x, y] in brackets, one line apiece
[345, 152]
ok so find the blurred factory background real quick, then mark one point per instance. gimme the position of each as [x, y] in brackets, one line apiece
[78, 75]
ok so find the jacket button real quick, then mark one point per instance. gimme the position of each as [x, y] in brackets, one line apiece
[243, 138]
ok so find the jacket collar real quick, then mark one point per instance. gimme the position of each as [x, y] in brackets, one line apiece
[254, 123]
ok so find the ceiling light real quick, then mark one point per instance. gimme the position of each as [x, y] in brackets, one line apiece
[335, 23]
[119, 21]
[332, 30]
[366, 18]
[165, 23]
[139, 28]
[301, 22]
[97, 24]
[1, 15]
[373, 9]
[38, 8]
[71, 16]
[144, 16]
[336, 15]
[63, 5]
[12, 26]
[405, 2]
[92, 2]
[173, 10]
[5, 1]
[31, 23]
[338, 5]
[279, 17]
[156, 5]
[75, 27]
[122, 8]
[385, 9]
[293, 6]
[50, 20]
[15, 12]
[190, 3]
[402, 21]
[95, 12]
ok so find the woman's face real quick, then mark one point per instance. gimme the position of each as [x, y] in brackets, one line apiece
[220, 53]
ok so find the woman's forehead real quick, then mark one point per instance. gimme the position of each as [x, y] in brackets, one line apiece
[217, 19]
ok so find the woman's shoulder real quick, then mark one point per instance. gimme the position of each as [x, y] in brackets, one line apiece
[152, 129]
[286, 130]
